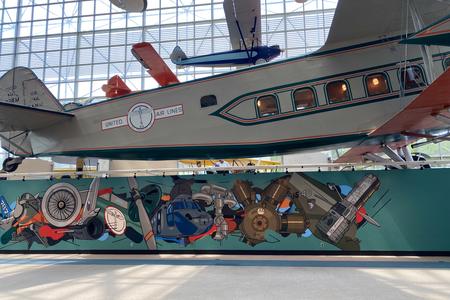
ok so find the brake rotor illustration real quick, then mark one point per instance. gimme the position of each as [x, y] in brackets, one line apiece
[258, 219]
[115, 220]
[61, 204]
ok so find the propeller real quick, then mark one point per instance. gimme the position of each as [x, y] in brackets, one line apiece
[146, 226]
[369, 219]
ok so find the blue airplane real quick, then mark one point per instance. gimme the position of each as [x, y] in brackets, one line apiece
[256, 55]
[244, 25]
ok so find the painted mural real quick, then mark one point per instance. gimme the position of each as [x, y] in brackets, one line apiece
[404, 210]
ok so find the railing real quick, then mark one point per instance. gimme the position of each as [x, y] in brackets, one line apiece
[253, 169]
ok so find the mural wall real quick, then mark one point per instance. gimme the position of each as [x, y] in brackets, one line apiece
[404, 210]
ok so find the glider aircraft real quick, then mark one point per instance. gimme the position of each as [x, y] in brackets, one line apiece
[367, 89]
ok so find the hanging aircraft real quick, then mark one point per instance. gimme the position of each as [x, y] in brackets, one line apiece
[131, 5]
[244, 26]
[362, 90]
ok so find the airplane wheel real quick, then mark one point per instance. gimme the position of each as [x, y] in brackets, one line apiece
[260, 61]
[9, 166]
[421, 157]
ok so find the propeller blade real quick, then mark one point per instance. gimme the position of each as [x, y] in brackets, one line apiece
[146, 226]
[369, 219]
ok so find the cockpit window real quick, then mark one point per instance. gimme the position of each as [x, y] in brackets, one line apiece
[338, 91]
[377, 84]
[208, 100]
[304, 98]
[412, 77]
[267, 106]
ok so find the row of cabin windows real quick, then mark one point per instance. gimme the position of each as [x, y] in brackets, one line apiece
[339, 91]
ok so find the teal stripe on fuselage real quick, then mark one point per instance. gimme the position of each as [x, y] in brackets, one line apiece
[302, 114]
[266, 65]
[217, 151]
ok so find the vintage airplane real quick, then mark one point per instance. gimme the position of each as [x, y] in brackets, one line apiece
[244, 26]
[363, 89]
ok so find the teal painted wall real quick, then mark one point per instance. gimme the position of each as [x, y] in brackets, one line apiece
[412, 208]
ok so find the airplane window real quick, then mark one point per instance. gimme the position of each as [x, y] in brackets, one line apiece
[267, 106]
[208, 100]
[338, 91]
[412, 77]
[377, 84]
[304, 98]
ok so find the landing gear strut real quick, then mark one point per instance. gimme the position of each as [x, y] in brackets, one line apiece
[12, 163]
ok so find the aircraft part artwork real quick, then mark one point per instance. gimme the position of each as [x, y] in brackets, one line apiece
[302, 212]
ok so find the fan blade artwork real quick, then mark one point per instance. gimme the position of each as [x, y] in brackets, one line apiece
[315, 211]
[191, 210]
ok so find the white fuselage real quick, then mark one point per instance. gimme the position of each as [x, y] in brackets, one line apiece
[181, 128]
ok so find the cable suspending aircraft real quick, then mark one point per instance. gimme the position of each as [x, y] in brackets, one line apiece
[367, 88]
[244, 26]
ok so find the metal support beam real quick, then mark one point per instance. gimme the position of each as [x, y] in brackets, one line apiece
[407, 153]
[378, 159]
[393, 155]
[442, 118]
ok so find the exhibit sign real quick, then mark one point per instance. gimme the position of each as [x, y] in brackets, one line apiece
[347, 212]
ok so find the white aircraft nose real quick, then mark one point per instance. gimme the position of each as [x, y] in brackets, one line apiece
[131, 5]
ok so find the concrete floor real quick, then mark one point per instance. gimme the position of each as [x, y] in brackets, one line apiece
[222, 277]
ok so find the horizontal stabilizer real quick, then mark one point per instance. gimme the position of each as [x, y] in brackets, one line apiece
[15, 117]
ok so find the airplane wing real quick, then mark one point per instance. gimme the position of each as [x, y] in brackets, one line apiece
[248, 15]
[435, 34]
[430, 110]
[357, 21]
[155, 65]
[15, 117]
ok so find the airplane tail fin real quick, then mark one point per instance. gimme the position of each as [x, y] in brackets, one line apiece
[20, 86]
[178, 55]
[25, 105]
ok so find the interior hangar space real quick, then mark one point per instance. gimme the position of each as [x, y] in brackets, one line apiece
[186, 149]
